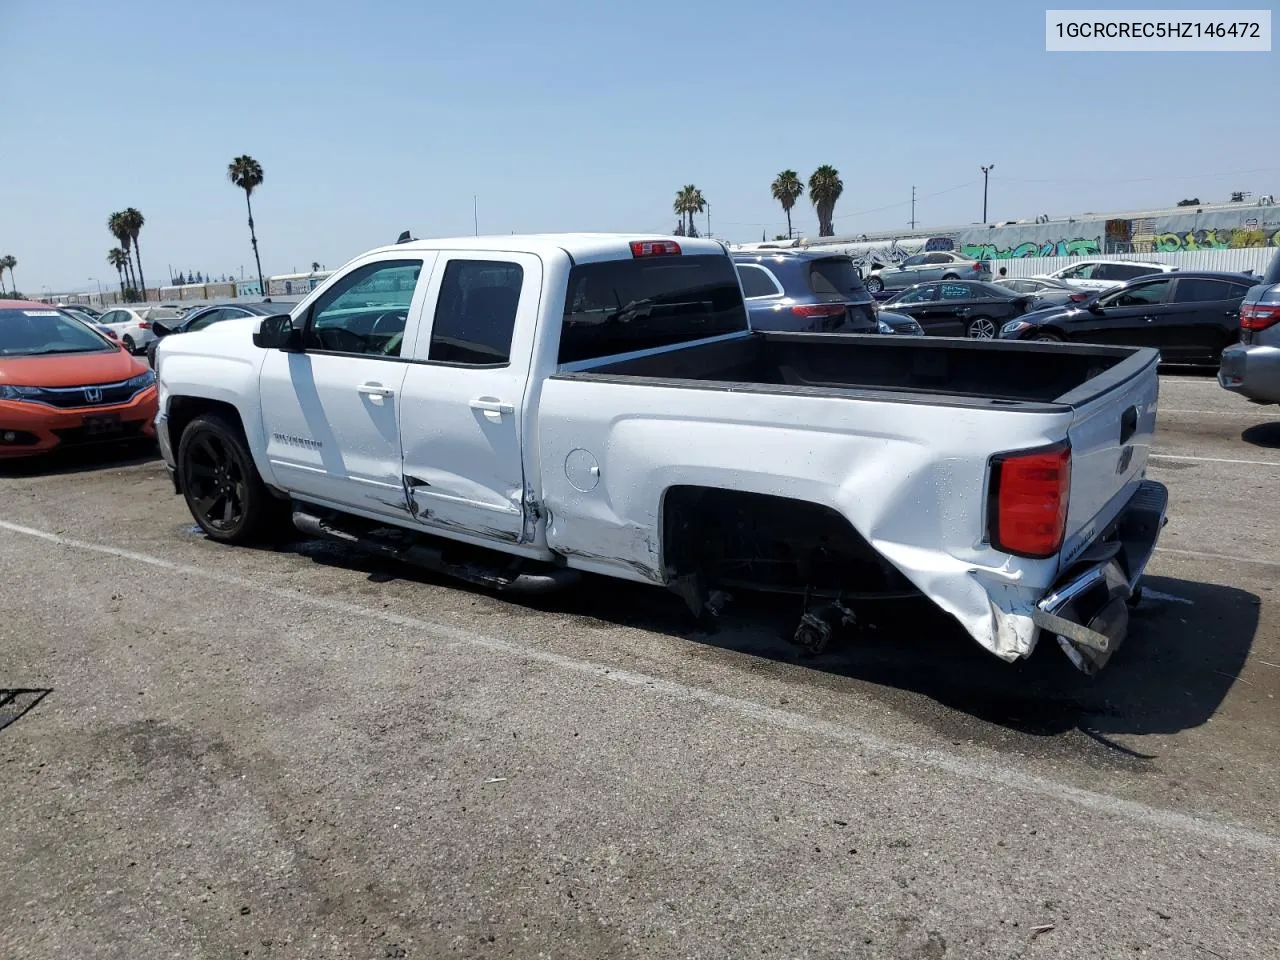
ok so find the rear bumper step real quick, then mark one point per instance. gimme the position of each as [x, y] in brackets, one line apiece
[1087, 609]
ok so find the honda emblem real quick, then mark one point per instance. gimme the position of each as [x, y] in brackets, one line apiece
[93, 394]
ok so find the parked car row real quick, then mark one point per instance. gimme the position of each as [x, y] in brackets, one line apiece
[1251, 367]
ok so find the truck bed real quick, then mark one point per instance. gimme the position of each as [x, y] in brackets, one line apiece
[949, 371]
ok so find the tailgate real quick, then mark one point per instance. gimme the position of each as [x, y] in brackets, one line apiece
[1110, 441]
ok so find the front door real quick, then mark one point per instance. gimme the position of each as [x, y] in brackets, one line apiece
[1127, 316]
[462, 414]
[331, 410]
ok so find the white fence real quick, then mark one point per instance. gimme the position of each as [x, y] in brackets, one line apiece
[1228, 261]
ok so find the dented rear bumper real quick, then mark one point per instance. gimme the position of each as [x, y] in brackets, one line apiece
[1087, 609]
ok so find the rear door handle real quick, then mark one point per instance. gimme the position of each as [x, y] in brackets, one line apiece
[492, 407]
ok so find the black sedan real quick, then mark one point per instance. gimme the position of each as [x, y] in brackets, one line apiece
[1190, 317]
[960, 308]
[207, 316]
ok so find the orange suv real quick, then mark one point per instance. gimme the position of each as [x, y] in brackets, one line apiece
[63, 384]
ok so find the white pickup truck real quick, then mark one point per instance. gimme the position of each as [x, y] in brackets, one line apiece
[519, 410]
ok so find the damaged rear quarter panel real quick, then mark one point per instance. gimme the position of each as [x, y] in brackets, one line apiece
[910, 477]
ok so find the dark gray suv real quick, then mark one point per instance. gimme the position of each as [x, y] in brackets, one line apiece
[805, 292]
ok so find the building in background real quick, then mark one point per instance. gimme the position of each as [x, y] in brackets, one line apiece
[1228, 226]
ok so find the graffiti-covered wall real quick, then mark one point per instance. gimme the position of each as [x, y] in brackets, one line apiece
[1239, 228]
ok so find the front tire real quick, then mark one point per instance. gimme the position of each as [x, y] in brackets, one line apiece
[221, 485]
[981, 328]
[130, 345]
[1047, 336]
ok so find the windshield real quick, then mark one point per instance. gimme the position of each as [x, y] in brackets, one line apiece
[38, 332]
[619, 306]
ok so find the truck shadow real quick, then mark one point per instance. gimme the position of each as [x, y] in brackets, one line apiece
[1188, 642]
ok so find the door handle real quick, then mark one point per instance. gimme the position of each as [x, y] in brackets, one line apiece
[375, 391]
[492, 407]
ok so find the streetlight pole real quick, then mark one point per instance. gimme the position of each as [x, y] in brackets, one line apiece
[99, 283]
[708, 221]
[986, 171]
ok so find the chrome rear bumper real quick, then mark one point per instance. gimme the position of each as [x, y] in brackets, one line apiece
[1087, 609]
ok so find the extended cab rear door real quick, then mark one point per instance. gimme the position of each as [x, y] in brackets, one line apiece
[330, 410]
[462, 417]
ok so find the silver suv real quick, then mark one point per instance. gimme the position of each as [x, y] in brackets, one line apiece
[1251, 367]
[924, 267]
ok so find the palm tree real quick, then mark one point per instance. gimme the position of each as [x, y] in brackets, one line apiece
[116, 257]
[315, 266]
[11, 261]
[787, 189]
[689, 200]
[120, 230]
[133, 221]
[246, 173]
[5, 265]
[825, 187]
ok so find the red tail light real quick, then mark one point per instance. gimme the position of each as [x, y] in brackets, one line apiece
[977, 268]
[1027, 504]
[1078, 297]
[1258, 316]
[818, 309]
[654, 248]
[144, 324]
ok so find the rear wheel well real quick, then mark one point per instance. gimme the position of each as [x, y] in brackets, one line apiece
[731, 538]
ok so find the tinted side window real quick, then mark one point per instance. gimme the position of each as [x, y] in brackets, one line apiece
[922, 294]
[938, 258]
[956, 291]
[1198, 290]
[914, 261]
[1141, 295]
[618, 306]
[476, 313]
[365, 311]
[755, 282]
[836, 277]
[205, 319]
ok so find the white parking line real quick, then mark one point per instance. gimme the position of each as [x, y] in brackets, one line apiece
[944, 762]
[1254, 463]
[1243, 414]
[1210, 556]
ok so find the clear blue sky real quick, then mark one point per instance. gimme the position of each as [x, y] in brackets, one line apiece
[375, 118]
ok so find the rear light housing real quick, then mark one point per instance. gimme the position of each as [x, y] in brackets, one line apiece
[655, 248]
[818, 309]
[1259, 316]
[1078, 297]
[1027, 501]
[144, 324]
[977, 268]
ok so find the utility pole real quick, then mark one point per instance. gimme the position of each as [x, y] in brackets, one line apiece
[708, 221]
[913, 208]
[986, 171]
[475, 212]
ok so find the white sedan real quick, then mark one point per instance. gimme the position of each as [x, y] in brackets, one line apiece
[132, 325]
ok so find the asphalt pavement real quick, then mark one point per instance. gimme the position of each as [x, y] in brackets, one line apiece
[218, 752]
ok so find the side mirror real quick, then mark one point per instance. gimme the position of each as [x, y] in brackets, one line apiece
[1095, 308]
[277, 333]
[160, 329]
